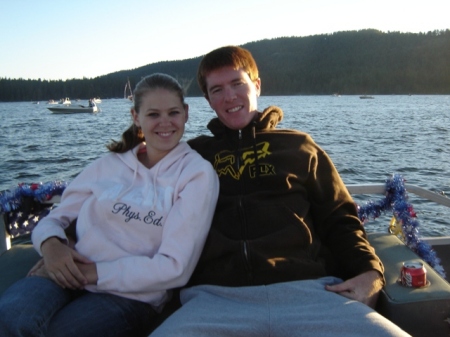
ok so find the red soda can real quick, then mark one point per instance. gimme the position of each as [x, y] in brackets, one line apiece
[413, 274]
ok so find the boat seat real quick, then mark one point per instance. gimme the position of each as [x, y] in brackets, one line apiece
[415, 310]
[15, 264]
[17, 254]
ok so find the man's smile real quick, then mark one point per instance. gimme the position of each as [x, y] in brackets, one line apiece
[235, 108]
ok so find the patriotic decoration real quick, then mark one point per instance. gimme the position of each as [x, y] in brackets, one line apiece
[22, 207]
[404, 223]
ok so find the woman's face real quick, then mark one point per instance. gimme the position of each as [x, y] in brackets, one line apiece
[162, 117]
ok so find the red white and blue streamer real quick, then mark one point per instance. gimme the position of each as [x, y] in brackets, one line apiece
[396, 200]
[11, 200]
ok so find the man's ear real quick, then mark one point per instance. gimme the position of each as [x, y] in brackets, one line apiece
[258, 86]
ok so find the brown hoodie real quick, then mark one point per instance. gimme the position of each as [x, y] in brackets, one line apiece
[283, 212]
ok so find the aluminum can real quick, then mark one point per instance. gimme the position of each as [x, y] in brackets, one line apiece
[413, 274]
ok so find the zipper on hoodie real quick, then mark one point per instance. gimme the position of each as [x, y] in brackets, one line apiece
[238, 151]
[242, 212]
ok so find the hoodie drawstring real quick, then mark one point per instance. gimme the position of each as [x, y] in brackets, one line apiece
[125, 191]
[255, 150]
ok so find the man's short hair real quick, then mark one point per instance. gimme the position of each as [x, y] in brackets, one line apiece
[229, 56]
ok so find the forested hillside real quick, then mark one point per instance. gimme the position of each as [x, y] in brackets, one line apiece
[353, 62]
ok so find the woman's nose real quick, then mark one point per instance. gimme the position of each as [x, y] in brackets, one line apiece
[165, 120]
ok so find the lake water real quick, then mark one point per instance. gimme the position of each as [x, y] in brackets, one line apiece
[368, 140]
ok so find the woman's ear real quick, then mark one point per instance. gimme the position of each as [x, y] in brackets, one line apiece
[135, 117]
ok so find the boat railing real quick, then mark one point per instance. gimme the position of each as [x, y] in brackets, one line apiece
[412, 189]
[5, 240]
[367, 189]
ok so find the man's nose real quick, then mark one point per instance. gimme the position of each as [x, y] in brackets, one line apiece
[230, 94]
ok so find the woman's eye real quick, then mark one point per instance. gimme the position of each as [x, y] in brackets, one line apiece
[174, 112]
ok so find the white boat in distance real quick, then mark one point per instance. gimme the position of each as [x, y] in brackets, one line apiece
[128, 88]
[70, 109]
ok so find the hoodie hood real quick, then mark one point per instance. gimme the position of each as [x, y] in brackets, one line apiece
[264, 121]
[146, 175]
[131, 160]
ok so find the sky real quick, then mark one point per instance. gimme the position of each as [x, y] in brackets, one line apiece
[67, 39]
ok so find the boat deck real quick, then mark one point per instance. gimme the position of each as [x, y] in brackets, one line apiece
[418, 311]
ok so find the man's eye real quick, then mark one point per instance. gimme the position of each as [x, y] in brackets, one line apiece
[174, 112]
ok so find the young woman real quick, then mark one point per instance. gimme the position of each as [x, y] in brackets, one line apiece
[143, 213]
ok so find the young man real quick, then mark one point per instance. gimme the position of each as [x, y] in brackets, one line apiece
[285, 233]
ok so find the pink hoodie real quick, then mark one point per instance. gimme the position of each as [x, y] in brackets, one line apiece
[144, 228]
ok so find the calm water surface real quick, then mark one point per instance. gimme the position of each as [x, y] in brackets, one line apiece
[368, 140]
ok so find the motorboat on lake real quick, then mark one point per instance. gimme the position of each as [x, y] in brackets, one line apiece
[366, 97]
[71, 109]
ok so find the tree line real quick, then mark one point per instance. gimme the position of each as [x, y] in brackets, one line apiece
[351, 62]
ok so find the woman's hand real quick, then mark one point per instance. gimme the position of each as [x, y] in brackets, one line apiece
[38, 269]
[89, 270]
[60, 262]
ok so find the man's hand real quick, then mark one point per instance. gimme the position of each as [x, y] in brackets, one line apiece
[60, 264]
[363, 288]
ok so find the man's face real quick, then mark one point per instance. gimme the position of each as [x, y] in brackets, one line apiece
[233, 96]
